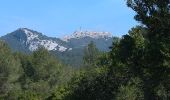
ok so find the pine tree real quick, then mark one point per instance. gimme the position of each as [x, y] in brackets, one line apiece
[155, 16]
[90, 54]
[10, 71]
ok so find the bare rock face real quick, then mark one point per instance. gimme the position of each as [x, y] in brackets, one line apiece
[91, 34]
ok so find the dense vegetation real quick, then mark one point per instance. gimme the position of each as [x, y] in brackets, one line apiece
[29, 76]
[136, 68]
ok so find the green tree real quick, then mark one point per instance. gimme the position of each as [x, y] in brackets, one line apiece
[155, 16]
[10, 71]
[127, 55]
[47, 72]
[131, 91]
[90, 54]
[45, 65]
[126, 63]
[29, 95]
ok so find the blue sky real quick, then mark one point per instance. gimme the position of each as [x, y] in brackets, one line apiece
[60, 17]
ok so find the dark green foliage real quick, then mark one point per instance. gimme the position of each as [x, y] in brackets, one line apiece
[131, 91]
[10, 71]
[30, 77]
[90, 54]
[29, 95]
[155, 15]
[42, 72]
[45, 66]
[85, 86]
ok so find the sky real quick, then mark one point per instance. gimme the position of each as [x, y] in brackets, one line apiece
[57, 18]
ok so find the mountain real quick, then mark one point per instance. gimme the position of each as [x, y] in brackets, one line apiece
[82, 34]
[69, 49]
[27, 40]
[80, 39]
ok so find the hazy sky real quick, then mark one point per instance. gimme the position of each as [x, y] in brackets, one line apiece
[60, 17]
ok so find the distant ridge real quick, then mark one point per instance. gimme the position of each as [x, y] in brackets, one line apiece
[68, 49]
[93, 34]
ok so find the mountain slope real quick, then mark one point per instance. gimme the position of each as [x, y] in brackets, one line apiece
[80, 39]
[28, 40]
[69, 49]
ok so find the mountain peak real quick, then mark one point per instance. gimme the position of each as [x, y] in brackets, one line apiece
[26, 33]
[23, 28]
[33, 40]
[92, 34]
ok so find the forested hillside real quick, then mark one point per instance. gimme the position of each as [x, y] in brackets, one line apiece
[137, 67]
